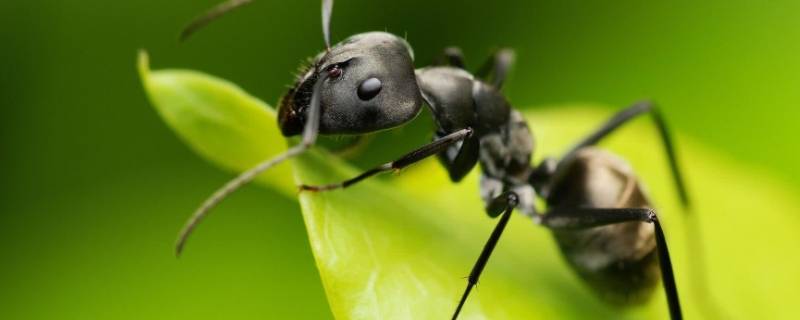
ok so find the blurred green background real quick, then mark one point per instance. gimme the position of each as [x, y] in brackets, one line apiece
[95, 186]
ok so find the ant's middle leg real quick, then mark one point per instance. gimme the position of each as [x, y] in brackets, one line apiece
[504, 203]
[410, 158]
[495, 69]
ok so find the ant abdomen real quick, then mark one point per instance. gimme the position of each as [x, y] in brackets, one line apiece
[618, 261]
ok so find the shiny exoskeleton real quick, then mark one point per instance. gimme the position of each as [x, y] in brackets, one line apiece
[596, 207]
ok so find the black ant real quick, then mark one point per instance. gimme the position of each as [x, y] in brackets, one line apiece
[598, 211]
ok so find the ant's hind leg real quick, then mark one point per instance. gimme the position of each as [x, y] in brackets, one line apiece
[619, 119]
[711, 308]
[582, 218]
[408, 159]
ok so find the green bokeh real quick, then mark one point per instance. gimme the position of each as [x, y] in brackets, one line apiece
[95, 186]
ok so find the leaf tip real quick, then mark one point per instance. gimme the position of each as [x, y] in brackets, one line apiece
[143, 64]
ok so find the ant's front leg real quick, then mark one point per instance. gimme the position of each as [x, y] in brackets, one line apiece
[412, 157]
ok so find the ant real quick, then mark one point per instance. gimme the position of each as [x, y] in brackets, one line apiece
[597, 209]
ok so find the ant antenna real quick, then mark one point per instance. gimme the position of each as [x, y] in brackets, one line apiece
[327, 9]
[211, 15]
[310, 132]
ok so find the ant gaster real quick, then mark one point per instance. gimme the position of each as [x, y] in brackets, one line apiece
[597, 210]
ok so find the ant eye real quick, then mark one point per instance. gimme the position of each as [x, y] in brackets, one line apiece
[334, 72]
[369, 89]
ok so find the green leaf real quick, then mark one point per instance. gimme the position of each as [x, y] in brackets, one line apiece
[218, 120]
[400, 247]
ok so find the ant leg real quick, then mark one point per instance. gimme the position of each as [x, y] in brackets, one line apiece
[581, 218]
[451, 56]
[617, 121]
[310, 132]
[459, 159]
[410, 158]
[497, 66]
[504, 203]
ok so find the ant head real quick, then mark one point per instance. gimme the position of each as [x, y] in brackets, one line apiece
[367, 81]
[369, 85]
[364, 84]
